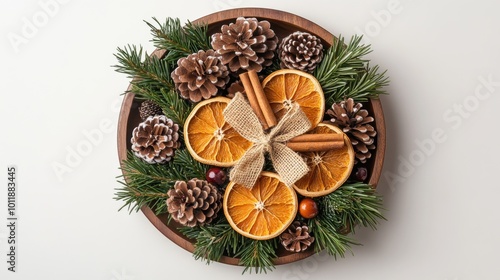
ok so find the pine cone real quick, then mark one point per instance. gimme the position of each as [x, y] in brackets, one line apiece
[301, 51]
[296, 238]
[200, 75]
[155, 139]
[247, 44]
[149, 108]
[354, 121]
[195, 202]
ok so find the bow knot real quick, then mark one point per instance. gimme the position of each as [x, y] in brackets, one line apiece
[287, 163]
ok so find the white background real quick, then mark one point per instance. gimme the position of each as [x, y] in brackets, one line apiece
[57, 84]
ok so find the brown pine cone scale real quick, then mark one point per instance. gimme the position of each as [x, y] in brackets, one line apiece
[247, 44]
[300, 50]
[200, 76]
[296, 238]
[355, 122]
[195, 202]
[149, 108]
[155, 139]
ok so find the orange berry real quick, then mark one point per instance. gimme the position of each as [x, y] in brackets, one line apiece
[308, 208]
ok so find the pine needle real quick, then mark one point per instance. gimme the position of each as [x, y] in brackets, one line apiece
[213, 241]
[346, 207]
[145, 184]
[344, 72]
[257, 255]
[145, 70]
[179, 41]
[327, 237]
[353, 204]
[172, 105]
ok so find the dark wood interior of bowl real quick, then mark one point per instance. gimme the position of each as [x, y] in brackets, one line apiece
[282, 23]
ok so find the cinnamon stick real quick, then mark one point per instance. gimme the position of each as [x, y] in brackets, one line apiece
[252, 99]
[316, 142]
[262, 99]
[314, 146]
[326, 137]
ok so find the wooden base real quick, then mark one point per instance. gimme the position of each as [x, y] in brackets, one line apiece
[282, 23]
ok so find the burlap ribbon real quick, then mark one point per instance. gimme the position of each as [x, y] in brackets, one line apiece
[288, 164]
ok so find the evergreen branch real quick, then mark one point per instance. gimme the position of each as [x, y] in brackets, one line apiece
[172, 105]
[144, 69]
[340, 63]
[257, 255]
[213, 241]
[197, 36]
[147, 184]
[344, 72]
[178, 109]
[352, 204]
[367, 84]
[327, 236]
[134, 198]
[179, 41]
[186, 165]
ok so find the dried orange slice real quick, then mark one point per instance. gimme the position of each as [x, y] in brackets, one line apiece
[287, 86]
[328, 170]
[262, 212]
[209, 139]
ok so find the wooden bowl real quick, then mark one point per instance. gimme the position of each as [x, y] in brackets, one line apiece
[282, 23]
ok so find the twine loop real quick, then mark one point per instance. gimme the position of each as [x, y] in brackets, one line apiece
[287, 163]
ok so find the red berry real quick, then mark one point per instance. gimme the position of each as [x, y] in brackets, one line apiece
[216, 176]
[308, 208]
[361, 174]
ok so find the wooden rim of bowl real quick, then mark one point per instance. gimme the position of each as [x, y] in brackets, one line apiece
[279, 20]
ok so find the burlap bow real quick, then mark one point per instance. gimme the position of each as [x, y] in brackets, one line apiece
[288, 164]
